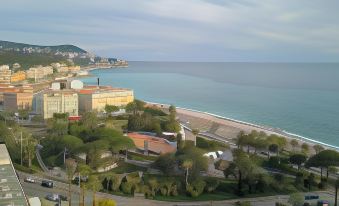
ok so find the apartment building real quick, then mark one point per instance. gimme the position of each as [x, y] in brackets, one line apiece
[5, 74]
[39, 72]
[61, 101]
[97, 97]
[18, 76]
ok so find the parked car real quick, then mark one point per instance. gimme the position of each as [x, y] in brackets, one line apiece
[29, 179]
[47, 183]
[52, 197]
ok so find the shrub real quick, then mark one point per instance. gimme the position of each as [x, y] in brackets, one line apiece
[127, 188]
[211, 185]
[196, 188]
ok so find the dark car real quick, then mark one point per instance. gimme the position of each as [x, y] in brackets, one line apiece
[47, 183]
[63, 197]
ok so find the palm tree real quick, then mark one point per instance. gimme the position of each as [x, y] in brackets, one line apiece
[70, 169]
[187, 165]
[83, 170]
[95, 185]
[30, 149]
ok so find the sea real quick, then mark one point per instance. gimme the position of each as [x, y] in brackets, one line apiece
[299, 98]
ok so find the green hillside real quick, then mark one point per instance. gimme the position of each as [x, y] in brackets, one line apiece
[61, 48]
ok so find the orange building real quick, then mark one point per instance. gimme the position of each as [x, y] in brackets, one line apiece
[18, 76]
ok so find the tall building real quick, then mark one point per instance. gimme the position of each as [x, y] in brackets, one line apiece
[5, 74]
[11, 192]
[96, 98]
[62, 101]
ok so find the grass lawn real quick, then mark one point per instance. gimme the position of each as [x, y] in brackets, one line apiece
[140, 157]
[127, 168]
[116, 124]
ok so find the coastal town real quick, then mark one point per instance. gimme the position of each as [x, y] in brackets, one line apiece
[78, 139]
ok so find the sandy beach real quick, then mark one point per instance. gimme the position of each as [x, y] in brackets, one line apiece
[229, 128]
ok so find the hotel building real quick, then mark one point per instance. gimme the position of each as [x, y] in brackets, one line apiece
[97, 97]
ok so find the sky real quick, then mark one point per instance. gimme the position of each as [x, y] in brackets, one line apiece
[181, 30]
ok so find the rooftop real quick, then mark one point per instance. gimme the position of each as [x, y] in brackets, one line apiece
[155, 144]
[11, 192]
[91, 89]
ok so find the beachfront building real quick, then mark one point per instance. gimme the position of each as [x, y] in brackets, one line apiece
[11, 192]
[5, 74]
[61, 101]
[97, 97]
[18, 76]
[39, 72]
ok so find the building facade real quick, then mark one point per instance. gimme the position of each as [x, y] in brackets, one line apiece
[14, 101]
[18, 76]
[52, 102]
[39, 72]
[96, 98]
[5, 74]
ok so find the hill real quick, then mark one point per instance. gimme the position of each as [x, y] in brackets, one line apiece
[28, 55]
[7, 45]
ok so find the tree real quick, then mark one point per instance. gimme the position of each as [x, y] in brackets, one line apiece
[111, 108]
[95, 185]
[187, 165]
[324, 159]
[29, 148]
[84, 171]
[90, 120]
[247, 170]
[305, 148]
[240, 140]
[107, 202]
[165, 163]
[336, 192]
[70, 169]
[58, 125]
[298, 159]
[296, 199]
[318, 148]
[294, 143]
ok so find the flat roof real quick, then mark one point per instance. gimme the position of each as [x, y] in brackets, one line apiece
[11, 192]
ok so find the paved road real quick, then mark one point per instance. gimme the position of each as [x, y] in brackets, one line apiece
[34, 189]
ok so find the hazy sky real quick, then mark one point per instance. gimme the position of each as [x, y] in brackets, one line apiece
[181, 30]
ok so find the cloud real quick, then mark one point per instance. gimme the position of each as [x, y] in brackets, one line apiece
[192, 30]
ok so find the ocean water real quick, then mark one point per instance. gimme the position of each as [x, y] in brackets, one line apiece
[300, 98]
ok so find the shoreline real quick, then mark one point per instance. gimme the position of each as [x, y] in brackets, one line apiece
[236, 123]
[227, 121]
